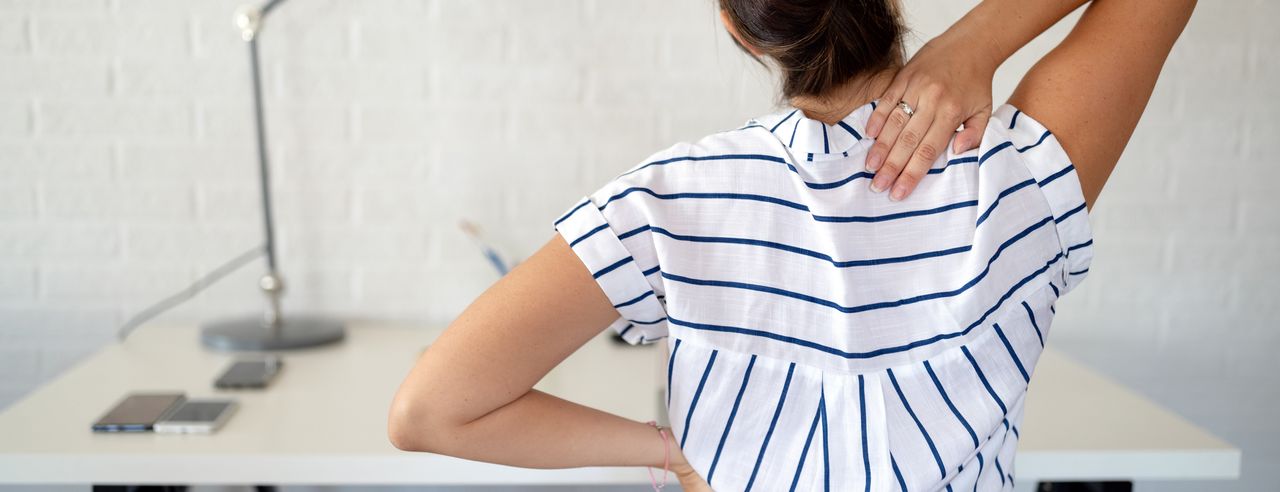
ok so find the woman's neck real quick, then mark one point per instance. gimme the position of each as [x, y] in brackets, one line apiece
[833, 107]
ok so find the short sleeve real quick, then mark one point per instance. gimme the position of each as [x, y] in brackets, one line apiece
[1056, 177]
[617, 269]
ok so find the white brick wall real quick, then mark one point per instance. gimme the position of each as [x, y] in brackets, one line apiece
[127, 168]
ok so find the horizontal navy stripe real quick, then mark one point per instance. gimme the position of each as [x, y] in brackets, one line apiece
[1080, 272]
[1002, 194]
[569, 213]
[869, 175]
[625, 330]
[633, 232]
[873, 353]
[723, 157]
[725, 196]
[588, 234]
[1070, 213]
[807, 252]
[1038, 142]
[789, 204]
[899, 215]
[863, 307]
[633, 301]
[1057, 175]
[651, 271]
[993, 151]
[780, 160]
[610, 268]
[1081, 245]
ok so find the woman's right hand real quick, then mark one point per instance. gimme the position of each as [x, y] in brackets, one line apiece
[947, 82]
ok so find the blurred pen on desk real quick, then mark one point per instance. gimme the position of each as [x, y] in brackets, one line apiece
[473, 231]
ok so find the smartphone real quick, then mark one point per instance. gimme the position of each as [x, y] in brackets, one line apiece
[250, 373]
[138, 412]
[197, 417]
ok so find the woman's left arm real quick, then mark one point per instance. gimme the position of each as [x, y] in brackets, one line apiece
[470, 394]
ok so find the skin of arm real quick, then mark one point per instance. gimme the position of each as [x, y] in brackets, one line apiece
[948, 81]
[1091, 90]
[470, 394]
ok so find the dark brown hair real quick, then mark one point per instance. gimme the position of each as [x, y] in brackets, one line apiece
[819, 44]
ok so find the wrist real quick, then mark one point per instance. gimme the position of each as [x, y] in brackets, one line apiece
[978, 33]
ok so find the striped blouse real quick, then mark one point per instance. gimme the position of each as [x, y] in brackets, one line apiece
[777, 278]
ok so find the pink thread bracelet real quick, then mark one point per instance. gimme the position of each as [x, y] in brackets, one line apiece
[666, 458]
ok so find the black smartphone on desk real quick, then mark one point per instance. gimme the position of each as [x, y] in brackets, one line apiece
[138, 412]
[250, 373]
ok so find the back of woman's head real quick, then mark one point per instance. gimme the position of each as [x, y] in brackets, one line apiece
[819, 44]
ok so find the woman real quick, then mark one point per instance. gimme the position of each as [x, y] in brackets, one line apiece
[822, 336]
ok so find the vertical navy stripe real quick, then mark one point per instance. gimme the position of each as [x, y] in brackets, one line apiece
[826, 143]
[979, 477]
[625, 330]
[1014, 120]
[1012, 354]
[942, 469]
[776, 412]
[804, 453]
[693, 405]
[826, 449]
[746, 376]
[955, 411]
[862, 412]
[671, 365]
[1000, 469]
[898, 473]
[986, 384]
[793, 133]
[1031, 316]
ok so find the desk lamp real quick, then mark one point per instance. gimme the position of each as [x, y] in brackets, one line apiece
[272, 330]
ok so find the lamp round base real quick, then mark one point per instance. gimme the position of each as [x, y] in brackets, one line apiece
[250, 334]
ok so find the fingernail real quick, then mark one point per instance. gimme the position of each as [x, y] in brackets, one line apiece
[878, 183]
[898, 193]
[873, 162]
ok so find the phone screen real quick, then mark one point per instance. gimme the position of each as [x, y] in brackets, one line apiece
[137, 412]
[249, 373]
[199, 411]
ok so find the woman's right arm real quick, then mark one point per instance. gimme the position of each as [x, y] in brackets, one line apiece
[1092, 88]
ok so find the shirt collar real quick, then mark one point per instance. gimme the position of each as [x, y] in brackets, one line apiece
[809, 136]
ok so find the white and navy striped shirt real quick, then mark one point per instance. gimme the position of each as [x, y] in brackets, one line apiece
[821, 336]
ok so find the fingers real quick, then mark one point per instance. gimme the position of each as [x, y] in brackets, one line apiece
[969, 138]
[913, 132]
[895, 122]
[935, 141]
[888, 100]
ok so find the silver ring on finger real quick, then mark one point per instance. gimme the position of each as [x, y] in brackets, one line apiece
[906, 108]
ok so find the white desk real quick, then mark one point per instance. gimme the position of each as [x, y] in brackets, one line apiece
[323, 421]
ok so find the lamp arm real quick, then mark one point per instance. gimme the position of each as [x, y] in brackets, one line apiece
[249, 20]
